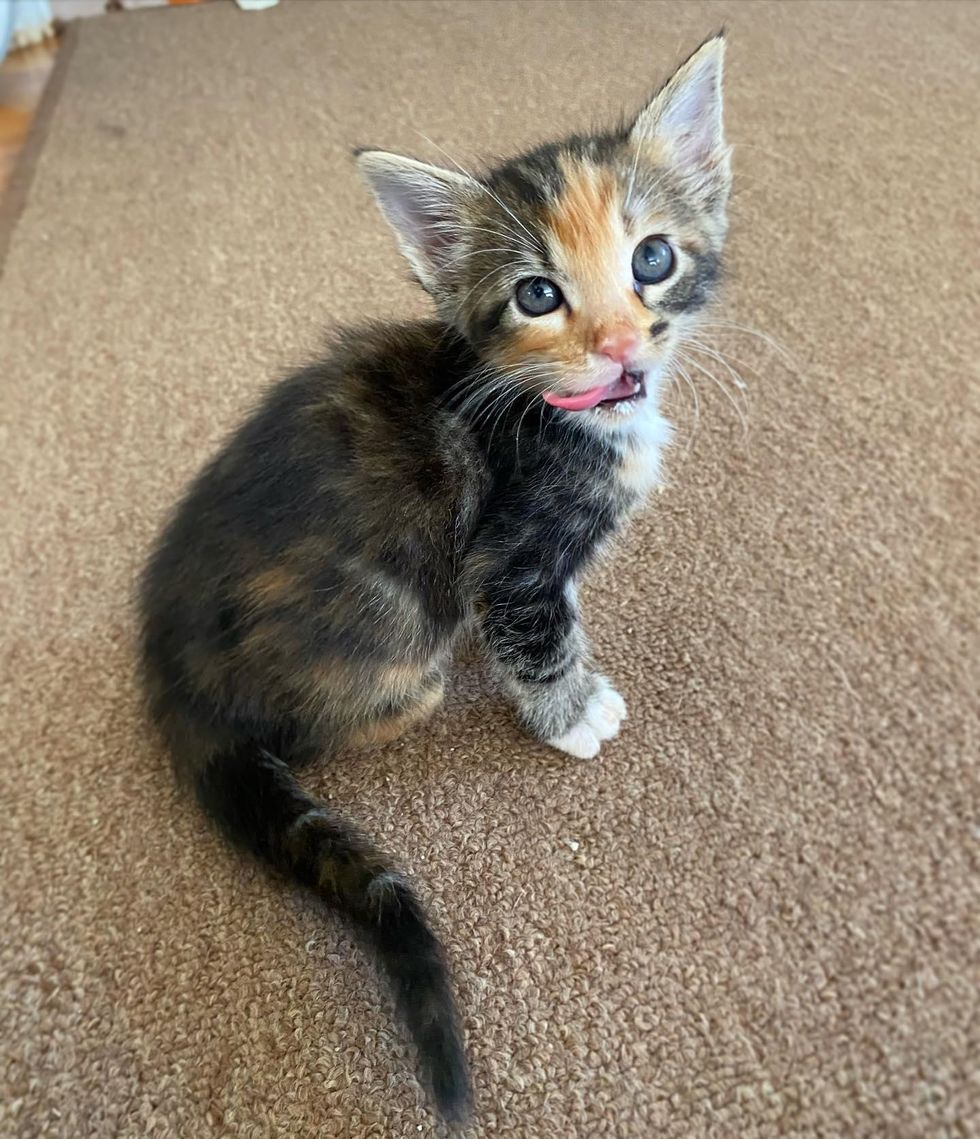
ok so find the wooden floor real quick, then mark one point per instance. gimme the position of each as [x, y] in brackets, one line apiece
[23, 75]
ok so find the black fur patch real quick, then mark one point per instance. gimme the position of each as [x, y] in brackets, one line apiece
[693, 289]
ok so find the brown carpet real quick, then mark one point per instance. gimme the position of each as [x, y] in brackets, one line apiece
[757, 915]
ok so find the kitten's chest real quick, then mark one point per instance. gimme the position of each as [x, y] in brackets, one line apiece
[579, 491]
[640, 466]
[583, 499]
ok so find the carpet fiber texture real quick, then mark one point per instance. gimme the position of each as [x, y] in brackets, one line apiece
[757, 913]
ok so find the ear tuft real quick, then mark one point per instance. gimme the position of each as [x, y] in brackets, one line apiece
[425, 206]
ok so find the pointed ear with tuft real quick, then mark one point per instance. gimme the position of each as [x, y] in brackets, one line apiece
[425, 206]
[683, 121]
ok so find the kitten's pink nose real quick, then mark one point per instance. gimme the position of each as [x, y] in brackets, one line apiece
[618, 344]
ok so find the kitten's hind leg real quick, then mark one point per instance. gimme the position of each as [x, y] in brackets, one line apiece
[406, 695]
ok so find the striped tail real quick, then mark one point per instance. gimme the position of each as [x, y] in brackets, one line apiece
[260, 805]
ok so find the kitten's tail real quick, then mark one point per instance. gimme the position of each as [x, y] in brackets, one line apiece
[260, 805]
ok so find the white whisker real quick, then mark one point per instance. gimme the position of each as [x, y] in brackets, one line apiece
[694, 363]
[780, 349]
[713, 354]
[685, 375]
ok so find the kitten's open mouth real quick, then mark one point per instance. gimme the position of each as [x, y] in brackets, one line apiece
[629, 386]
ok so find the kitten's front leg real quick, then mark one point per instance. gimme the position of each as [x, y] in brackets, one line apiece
[538, 649]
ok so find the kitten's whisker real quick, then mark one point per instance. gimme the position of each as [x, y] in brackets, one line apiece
[460, 229]
[519, 246]
[484, 391]
[628, 198]
[713, 348]
[685, 375]
[780, 349]
[688, 359]
[502, 399]
[516, 382]
[517, 435]
[477, 380]
[698, 346]
[537, 392]
[482, 249]
[484, 373]
[499, 386]
[518, 392]
[456, 229]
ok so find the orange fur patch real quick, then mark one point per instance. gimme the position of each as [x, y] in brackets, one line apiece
[270, 587]
[582, 221]
[330, 677]
[587, 233]
[527, 341]
[399, 679]
[386, 730]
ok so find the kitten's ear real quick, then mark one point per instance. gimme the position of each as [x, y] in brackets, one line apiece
[424, 206]
[684, 118]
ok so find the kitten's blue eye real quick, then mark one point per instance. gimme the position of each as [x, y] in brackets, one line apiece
[653, 261]
[537, 296]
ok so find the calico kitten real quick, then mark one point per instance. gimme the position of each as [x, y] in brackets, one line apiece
[432, 477]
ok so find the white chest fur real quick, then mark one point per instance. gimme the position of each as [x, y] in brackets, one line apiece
[643, 447]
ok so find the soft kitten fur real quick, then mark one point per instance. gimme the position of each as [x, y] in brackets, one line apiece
[428, 478]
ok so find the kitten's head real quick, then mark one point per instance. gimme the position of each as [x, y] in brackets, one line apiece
[574, 269]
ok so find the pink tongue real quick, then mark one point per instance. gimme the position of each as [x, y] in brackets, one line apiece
[581, 401]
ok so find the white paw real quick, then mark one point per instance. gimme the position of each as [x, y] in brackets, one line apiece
[606, 710]
[580, 741]
[604, 713]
